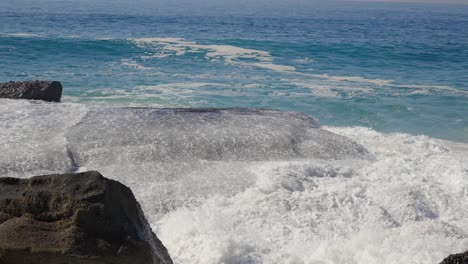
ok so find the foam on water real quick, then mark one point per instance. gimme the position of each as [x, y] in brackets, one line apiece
[133, 64]
[257, 186]
[323, 85]
[33, 136]
[21, 35]
[429, 89]
[164, 47]
[194, 153]
[405, 206]
[358, 79]
[170, 87]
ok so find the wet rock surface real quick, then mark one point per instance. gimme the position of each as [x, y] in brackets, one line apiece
[74, 218]
[461, 258]
[50, 91]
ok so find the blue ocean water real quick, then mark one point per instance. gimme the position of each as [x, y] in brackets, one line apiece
[390, 67]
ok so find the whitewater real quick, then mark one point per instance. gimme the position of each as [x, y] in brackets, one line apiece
[256, 186]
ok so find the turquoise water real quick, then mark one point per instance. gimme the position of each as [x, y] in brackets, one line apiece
[390, 67]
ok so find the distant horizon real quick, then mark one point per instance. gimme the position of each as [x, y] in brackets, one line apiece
[213, 7]
[463, 2]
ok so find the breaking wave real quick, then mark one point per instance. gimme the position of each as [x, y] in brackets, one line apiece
[256, 186]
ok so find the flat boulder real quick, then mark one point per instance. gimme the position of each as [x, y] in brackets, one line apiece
[74, 218]
[50, 91]
[461, 258]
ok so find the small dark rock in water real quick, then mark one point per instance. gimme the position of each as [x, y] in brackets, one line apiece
[461, 258]
[50, 91]
[80, 218]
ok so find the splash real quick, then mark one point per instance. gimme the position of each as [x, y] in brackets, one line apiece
[257, 186]
[406, 205]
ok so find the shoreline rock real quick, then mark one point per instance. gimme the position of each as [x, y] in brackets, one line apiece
[74, 218]
[461, 258]
[50, 91]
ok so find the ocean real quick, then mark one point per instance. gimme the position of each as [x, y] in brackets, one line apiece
[255, 182]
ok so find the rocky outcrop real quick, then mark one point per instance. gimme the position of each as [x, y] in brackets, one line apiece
[461, 258]
[50, 91]
[74, 218]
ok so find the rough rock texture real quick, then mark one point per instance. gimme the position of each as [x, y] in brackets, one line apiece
[74, 218]
[461, 258]
[50, 91]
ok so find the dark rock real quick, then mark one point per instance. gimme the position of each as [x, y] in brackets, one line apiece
[50, 91]
[74, 218]
[461, 258]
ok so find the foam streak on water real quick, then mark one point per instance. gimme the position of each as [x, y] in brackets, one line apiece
[257, 186]
[164, 47]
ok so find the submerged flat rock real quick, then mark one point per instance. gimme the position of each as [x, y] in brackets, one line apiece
[74, 218]
[50, 91]
[206, 134]
[169, 157]
[196, 153]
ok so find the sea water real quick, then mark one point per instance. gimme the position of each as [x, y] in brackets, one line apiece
[360, 155]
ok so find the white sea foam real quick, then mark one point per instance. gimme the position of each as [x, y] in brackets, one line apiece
[133, 64]
[304, 60]
[337, 86]
[274, 67]
[180, 91]
[405, 206]
[177, 94]
[152, 40]
[327, 85]
[427, 89]
[233, 55]
[326, 89]
[180, 85]
[254, 85]
[21, 35]
[248, 186]
[320, 90]
[33, 136]
[357, 79]
[164, 47]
